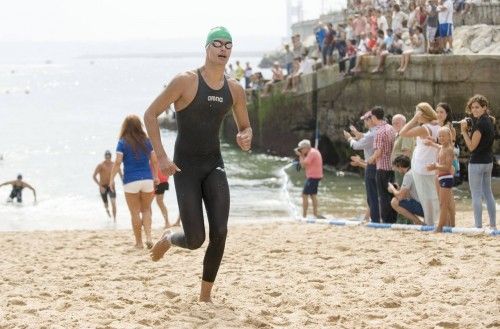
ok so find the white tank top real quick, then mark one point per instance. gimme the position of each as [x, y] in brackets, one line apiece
[423, 154]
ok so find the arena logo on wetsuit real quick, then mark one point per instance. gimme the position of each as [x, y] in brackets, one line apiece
[215, 99]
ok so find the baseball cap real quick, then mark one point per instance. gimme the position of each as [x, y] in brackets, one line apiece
[366, 115]
[303, 143]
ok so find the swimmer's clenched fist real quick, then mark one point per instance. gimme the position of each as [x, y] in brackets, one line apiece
[244, 139]
[167, 166]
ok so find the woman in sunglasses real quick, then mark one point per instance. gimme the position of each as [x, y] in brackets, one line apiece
[201, 98]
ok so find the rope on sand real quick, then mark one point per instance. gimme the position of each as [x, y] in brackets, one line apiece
[402, 227]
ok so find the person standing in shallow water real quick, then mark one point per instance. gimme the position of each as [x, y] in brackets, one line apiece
[103, 170]
[17, 189]
[201, 98]
[310, 159]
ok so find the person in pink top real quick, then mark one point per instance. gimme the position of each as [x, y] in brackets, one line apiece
[311, 160]
[159, 191]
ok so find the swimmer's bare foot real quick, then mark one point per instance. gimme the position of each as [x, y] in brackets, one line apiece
[160, 247]
[438, 230]
[139, 246]
[205, 300]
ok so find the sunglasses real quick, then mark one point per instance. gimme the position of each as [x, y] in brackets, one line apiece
[218, 44]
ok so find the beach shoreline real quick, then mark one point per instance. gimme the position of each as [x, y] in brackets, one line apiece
[277, 274]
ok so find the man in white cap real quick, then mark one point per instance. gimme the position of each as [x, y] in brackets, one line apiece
[311, 160]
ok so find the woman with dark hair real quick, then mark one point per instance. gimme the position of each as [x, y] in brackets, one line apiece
[479, 140]
[444, 115]
[136, 152]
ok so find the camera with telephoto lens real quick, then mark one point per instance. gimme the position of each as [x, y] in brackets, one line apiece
[468, 120]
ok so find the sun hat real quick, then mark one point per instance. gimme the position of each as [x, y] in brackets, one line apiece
[303, 143]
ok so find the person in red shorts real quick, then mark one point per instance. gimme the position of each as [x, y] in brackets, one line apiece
[159, 192]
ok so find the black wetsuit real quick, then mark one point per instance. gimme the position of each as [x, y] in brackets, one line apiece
[202, 177]
[17, 193]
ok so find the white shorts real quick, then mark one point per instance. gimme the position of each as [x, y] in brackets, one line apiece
[145, 186]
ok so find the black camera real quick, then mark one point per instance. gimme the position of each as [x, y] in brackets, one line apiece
[467, 120]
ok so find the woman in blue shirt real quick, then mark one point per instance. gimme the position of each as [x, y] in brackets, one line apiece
[135, 151]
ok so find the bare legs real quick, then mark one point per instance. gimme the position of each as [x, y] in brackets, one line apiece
[163, 209]
[405, 60]
[139, 205]
[400, 210]
[113, 208]
[381, 63]
[206, 291]
[447, 215]
[305, 204]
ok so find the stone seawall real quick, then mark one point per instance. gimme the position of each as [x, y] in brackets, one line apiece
[281, 120]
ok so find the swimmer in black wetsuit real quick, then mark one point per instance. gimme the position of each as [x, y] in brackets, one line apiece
[17, 188]
[201, 98]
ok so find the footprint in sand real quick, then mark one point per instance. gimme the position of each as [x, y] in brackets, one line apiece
[171, 294]
[319, 286]
[125, 300]
[435, 262]
[445, 324]
[274, 294]
[391, 304]
[16, 302]
[341, 248]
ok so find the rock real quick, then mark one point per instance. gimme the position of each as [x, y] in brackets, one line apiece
[477, 39]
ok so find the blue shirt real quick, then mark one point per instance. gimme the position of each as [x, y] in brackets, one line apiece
[136, 166]
[365, 143]
[320, 36]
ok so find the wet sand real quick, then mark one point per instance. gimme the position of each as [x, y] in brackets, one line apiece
[273, 275]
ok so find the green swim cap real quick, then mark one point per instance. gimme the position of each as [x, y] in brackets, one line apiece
[218, 32]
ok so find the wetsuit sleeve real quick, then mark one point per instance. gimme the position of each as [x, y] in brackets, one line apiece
[120, 148]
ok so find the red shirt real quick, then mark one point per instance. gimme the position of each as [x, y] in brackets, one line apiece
[384, 141]
[161, 177]
[313, 164]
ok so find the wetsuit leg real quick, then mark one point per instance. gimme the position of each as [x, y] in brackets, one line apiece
[104, 196]
[215, 191]
[19, 197]
[188, 190]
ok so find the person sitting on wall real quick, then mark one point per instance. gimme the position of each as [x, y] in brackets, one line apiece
[277, 77]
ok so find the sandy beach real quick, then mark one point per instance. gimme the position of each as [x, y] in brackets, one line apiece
[273, 275]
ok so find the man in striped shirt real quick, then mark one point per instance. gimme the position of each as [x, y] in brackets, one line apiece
[383, 144]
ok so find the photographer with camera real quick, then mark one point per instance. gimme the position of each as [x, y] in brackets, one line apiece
[310, 159]
[479, 141]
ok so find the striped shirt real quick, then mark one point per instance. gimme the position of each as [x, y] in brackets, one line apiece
[384, 141]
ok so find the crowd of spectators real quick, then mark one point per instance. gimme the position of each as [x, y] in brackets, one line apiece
[411, 167]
